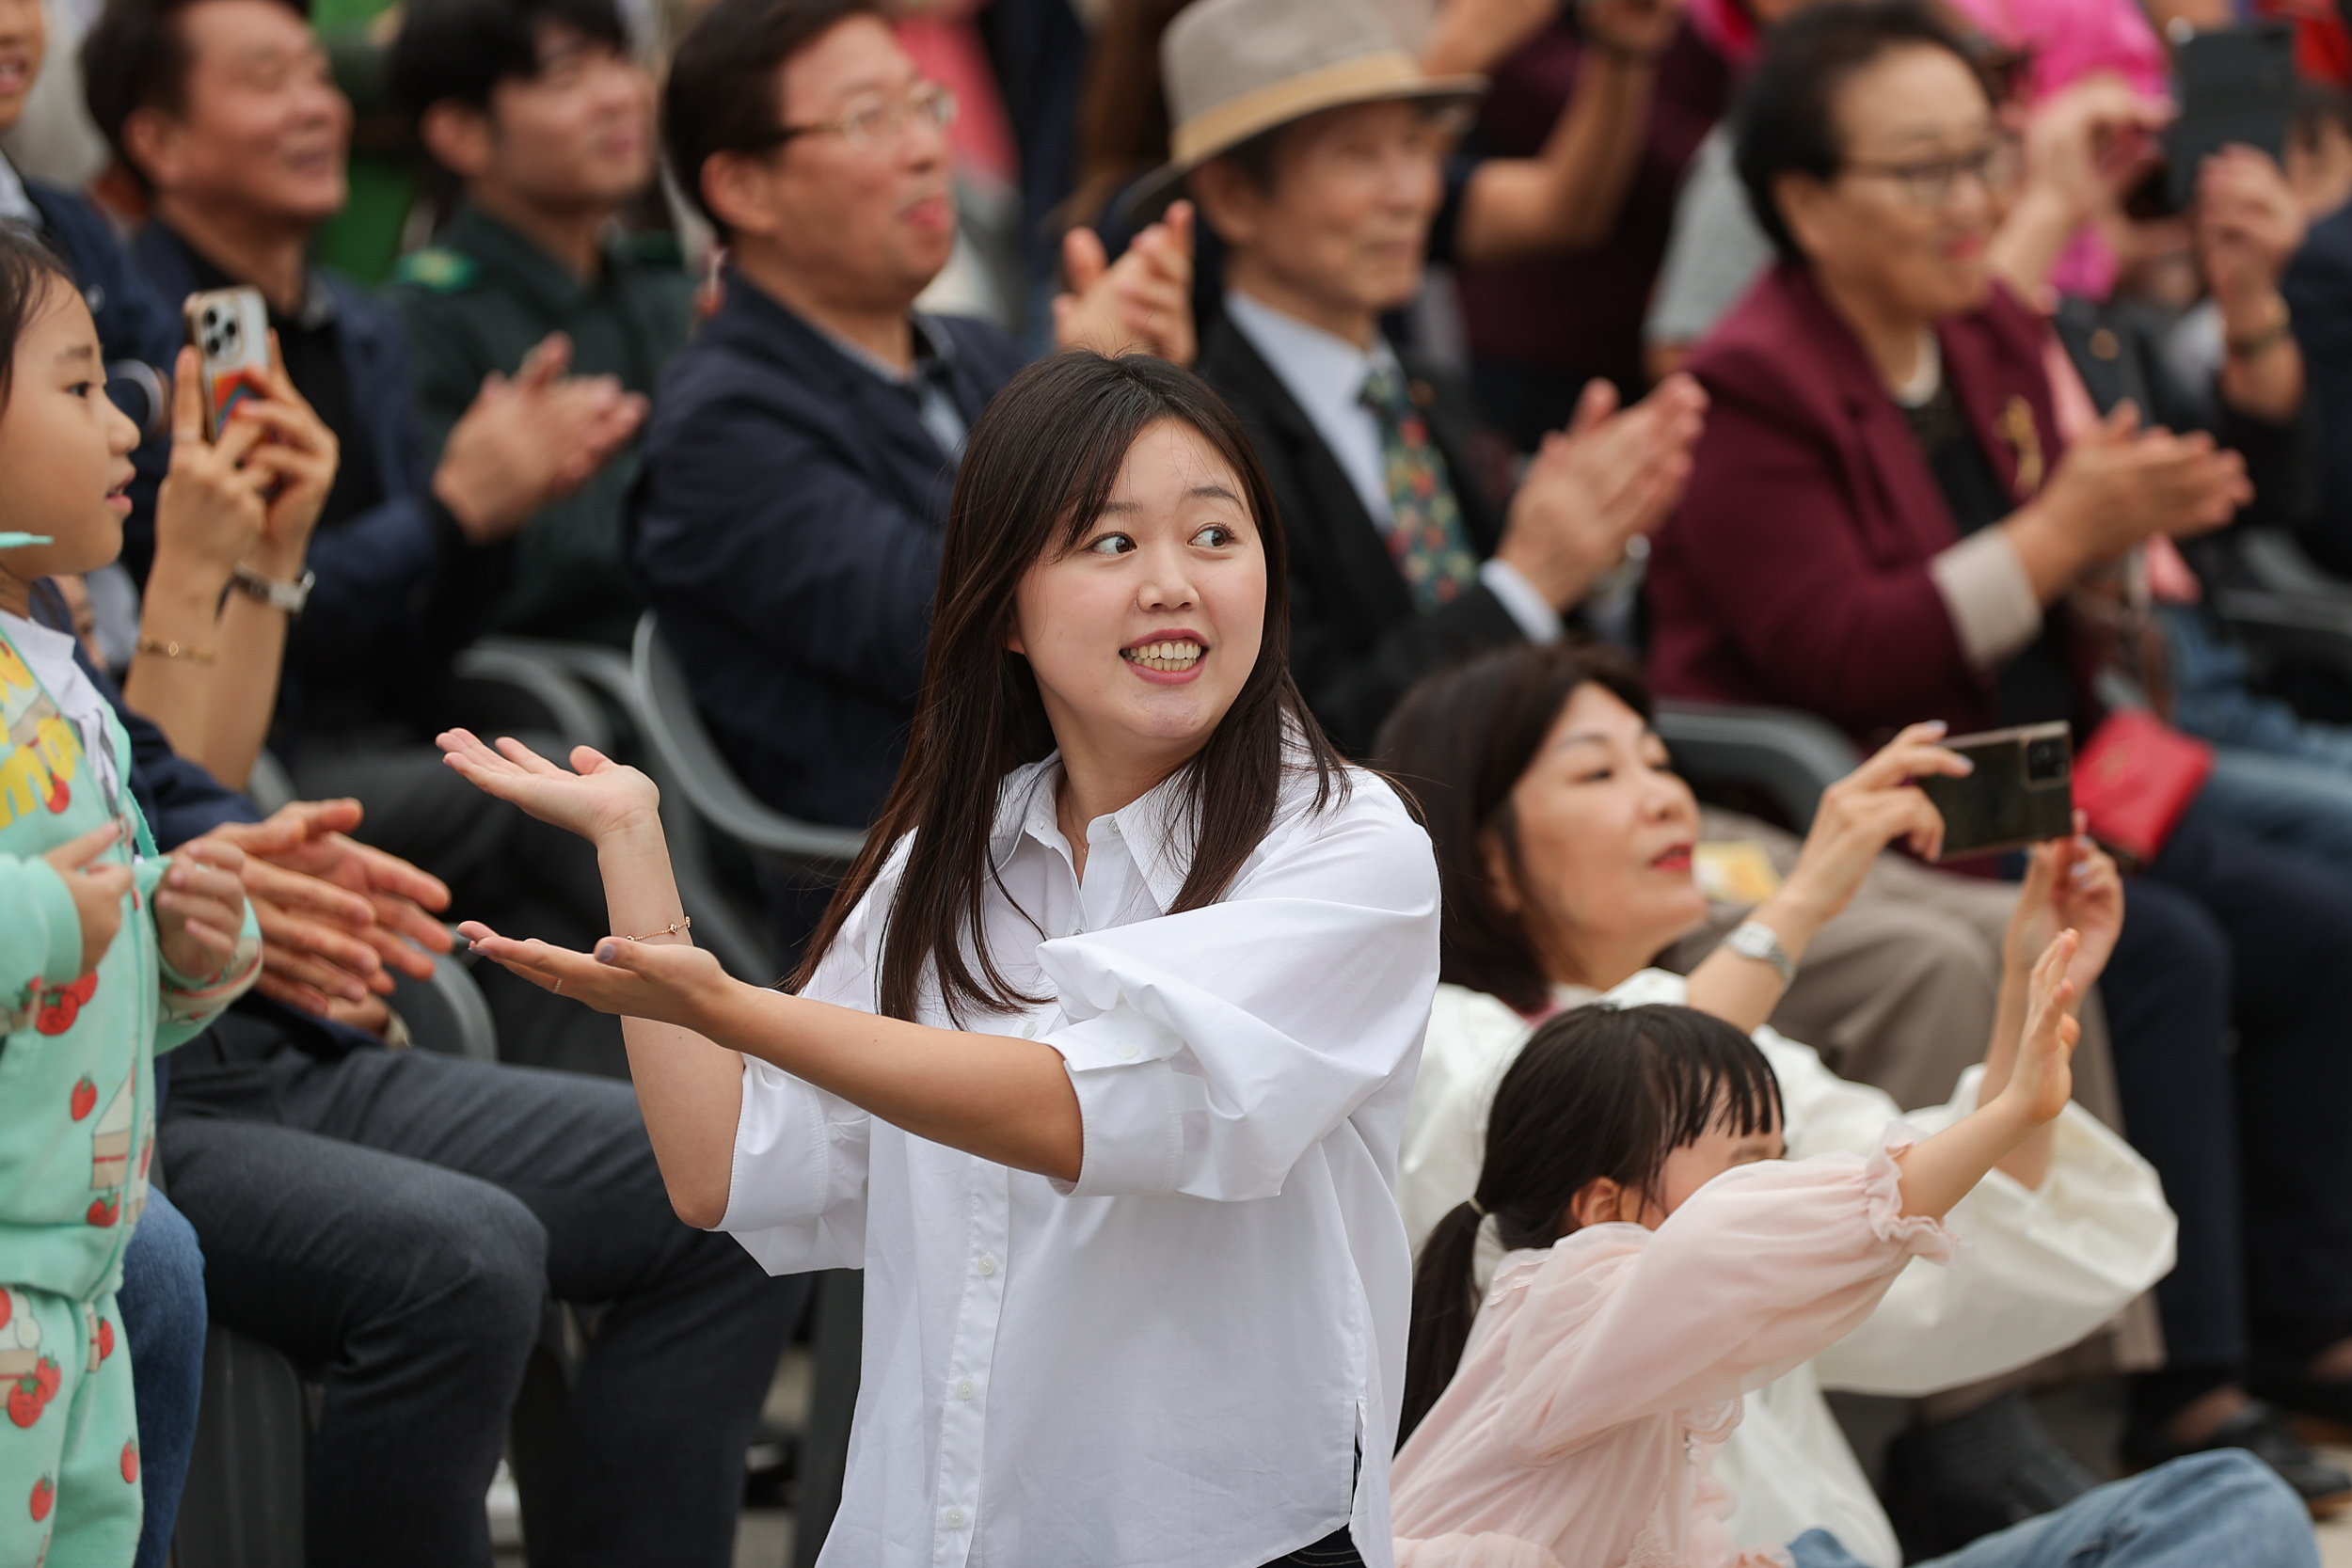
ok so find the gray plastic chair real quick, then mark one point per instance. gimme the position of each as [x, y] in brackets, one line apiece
[1787, 757]
[676, 733]
[447, 1013]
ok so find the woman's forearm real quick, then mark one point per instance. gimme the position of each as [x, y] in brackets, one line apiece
[1001, 1097]
[1567, 196]
[689, 1091]
[171, 674]
[244, 684]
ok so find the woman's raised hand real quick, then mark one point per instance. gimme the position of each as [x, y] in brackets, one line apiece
[666, 982]
[602, 799]
[2071, 883]
[2044, 1078]
[1862, 812]
[210, 510]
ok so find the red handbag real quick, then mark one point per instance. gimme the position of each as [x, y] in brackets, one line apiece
[2135, 778]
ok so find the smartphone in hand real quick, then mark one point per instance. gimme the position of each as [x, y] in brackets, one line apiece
[2021, 793]
[229, 330]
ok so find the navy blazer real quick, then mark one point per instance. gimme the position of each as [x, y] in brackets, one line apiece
[2318, 290]
[1357, 639]
[786, 527]
[392, 604]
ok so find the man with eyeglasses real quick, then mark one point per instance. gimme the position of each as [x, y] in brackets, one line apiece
[804, 446]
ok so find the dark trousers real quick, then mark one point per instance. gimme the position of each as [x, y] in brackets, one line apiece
[517, 875]
[397, 1218]
[2229, 997]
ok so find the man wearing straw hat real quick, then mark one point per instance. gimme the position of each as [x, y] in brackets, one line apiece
[1314, 146]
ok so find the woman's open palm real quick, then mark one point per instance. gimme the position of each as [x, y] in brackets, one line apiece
[596, 798]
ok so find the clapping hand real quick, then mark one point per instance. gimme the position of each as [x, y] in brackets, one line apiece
[530, 440]
[1143, 301]
[199, 907]
[337, 916]
[1612, 475]
[96, 890]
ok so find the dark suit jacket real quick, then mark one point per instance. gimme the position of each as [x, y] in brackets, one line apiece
[788, 529]
[1357, 639]
[1796, 571]
[2318, 289]
[400, 589]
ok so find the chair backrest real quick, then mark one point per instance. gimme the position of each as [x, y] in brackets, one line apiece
[447, 1013]
[1789, 756]
[675, 730]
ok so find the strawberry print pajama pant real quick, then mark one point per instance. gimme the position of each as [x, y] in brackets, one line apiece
[69, 1435]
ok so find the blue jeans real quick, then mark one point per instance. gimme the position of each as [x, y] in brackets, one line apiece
[2276, 775]
[161, 1301]
[2201, 1512]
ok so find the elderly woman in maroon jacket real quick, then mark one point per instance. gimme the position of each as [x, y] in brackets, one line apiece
[1881, 519]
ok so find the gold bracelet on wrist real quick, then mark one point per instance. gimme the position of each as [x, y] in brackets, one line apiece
[171, 648]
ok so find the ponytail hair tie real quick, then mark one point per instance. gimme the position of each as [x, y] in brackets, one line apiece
[1476, 1208]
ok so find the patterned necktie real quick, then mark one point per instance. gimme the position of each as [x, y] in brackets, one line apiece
[1425, 534]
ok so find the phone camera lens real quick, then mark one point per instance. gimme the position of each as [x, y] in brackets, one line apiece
[212, 315]
[2045, 760]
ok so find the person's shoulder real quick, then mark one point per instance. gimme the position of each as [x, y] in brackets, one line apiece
[1462, 1021]
[1347, 802]
[992, 351]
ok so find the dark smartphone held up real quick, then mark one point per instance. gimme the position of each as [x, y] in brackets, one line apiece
[229, 332]
[2021, 793]
[2234, 86]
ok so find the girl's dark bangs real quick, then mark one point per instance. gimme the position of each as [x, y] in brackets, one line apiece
[1712, 1078]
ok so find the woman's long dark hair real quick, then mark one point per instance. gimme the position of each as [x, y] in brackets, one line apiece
[1460, 741]
[1598, 1091]
[1040, 467]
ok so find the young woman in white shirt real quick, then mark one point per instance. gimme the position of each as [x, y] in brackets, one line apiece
[1101, 1056]
[1565, 841]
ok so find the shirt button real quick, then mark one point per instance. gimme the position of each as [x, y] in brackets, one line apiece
[955, 1518]
[1127, 1052]
[988, 1265]
[963, 1390]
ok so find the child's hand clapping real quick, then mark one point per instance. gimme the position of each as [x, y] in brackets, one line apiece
[2044, 1078]
[199, 907]
[96, 890]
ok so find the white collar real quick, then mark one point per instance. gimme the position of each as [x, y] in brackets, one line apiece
[15, 203]
[1326, 374]
[1155, 829]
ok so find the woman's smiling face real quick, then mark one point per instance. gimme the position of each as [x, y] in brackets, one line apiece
[1144, 632]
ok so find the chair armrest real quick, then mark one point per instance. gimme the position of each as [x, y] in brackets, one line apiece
[1788, 755]
[678, 736]
[447, 1013]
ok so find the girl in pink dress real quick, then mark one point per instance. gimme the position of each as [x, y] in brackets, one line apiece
[1664, 1258]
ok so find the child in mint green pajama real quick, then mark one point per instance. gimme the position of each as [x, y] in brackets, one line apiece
[108, 953]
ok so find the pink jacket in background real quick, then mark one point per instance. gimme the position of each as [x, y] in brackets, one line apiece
[1601, 1374]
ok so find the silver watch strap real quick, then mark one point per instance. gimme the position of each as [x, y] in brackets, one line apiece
[288, 596]
[1752, 939]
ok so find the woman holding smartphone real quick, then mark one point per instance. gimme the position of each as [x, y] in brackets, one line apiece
[1100, 1059]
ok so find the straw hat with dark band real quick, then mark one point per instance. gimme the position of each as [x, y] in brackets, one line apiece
[1234, 69]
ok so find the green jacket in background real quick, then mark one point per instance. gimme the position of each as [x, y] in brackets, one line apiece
[479, 300]
[77, 1044]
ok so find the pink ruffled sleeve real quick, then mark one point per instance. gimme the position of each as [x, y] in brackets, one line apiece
[1758, 1270]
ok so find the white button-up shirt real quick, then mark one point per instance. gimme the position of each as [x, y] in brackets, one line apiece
[1180, 1358]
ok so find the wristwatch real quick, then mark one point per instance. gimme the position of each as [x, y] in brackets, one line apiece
[288, 596]
[1752, 939]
